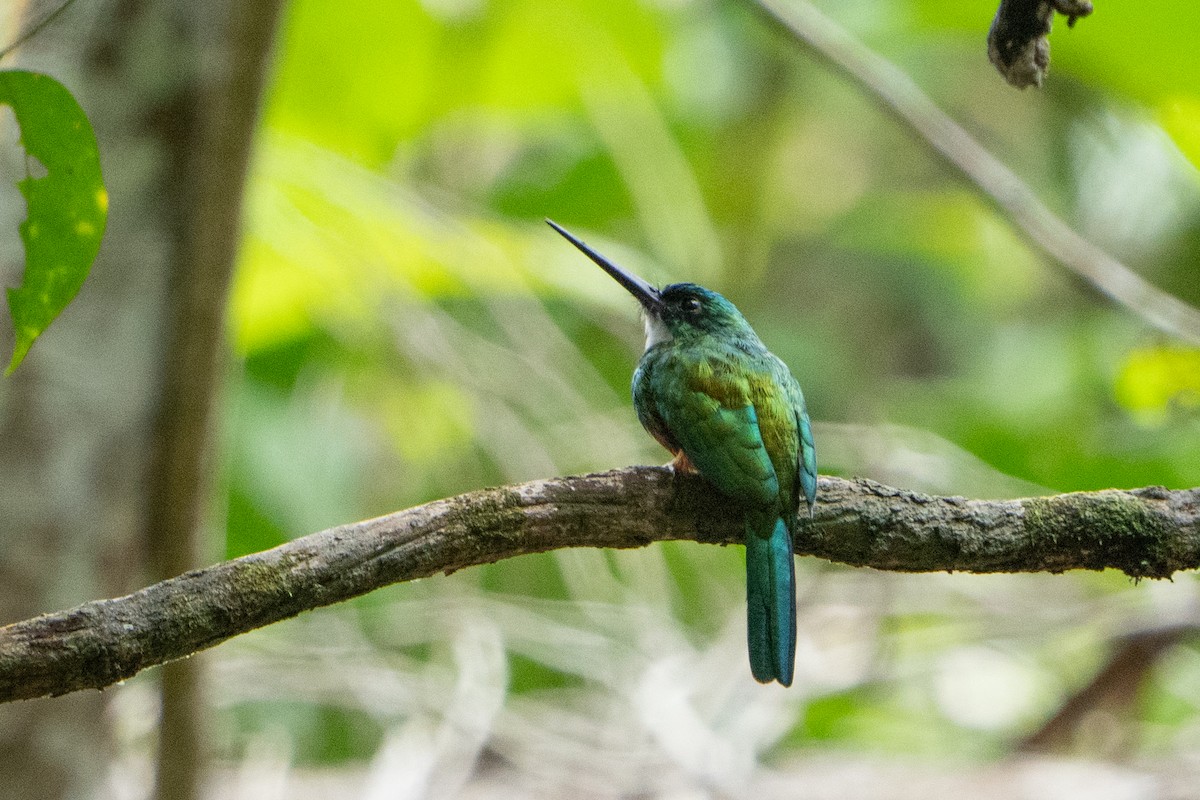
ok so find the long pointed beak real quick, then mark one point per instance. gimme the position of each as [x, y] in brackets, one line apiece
[646, 294]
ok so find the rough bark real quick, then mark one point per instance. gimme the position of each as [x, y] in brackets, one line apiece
[1146, 533]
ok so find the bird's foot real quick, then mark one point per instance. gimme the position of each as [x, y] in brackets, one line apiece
[681, 465]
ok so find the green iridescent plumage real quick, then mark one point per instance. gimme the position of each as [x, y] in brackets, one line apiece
[710, 392]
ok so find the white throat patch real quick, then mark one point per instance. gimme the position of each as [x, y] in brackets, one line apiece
[656, 330]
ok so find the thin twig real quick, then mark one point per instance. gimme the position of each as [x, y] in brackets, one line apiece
[1114, 688]
[897, 93]
[36, 28]
[1147, 533]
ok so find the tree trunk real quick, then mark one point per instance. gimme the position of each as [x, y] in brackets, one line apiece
[102, 438]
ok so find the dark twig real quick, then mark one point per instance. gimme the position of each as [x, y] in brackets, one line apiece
[1113, 689]
[1018, 42]
[36, 28]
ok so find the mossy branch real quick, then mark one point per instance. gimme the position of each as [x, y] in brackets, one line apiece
[1147, 533]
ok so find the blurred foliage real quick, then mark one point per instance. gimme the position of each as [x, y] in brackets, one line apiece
[407, 329]
[1155, 380]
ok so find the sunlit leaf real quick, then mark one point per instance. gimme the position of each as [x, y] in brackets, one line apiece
[1180, 117]
[67, 207]
[347, 81]
[1155, 378]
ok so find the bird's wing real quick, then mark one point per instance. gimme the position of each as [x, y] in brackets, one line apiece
[806, 467]
[708, 411]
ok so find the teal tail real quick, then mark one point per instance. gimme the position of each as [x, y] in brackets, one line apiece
[771, 601]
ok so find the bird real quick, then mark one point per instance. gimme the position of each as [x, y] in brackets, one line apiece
[710, 392]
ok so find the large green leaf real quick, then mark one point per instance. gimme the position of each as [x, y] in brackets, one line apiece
[67, 207]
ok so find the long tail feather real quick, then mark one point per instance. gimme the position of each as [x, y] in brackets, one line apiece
[771, 601]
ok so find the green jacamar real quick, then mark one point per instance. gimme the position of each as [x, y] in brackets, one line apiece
[710, 392]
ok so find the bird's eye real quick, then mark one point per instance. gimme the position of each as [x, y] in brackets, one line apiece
[691, 306]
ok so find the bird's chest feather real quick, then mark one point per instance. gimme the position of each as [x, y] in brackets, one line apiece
[698, 400]
[691, 379]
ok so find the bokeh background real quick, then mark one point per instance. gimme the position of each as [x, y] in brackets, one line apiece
[403, 327]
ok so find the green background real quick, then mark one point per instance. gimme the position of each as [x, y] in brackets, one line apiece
[406, 328]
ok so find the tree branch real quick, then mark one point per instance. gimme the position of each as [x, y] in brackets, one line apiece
[216, 121]
[1114, 688]
[1148, 532]
[896, 93]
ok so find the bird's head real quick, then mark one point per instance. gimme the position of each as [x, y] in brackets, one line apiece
[680, 311]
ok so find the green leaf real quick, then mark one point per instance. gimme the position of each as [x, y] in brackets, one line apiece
[1154, 379]
[67, 207]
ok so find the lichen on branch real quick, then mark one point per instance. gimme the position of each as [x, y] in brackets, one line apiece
[1146, 533]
